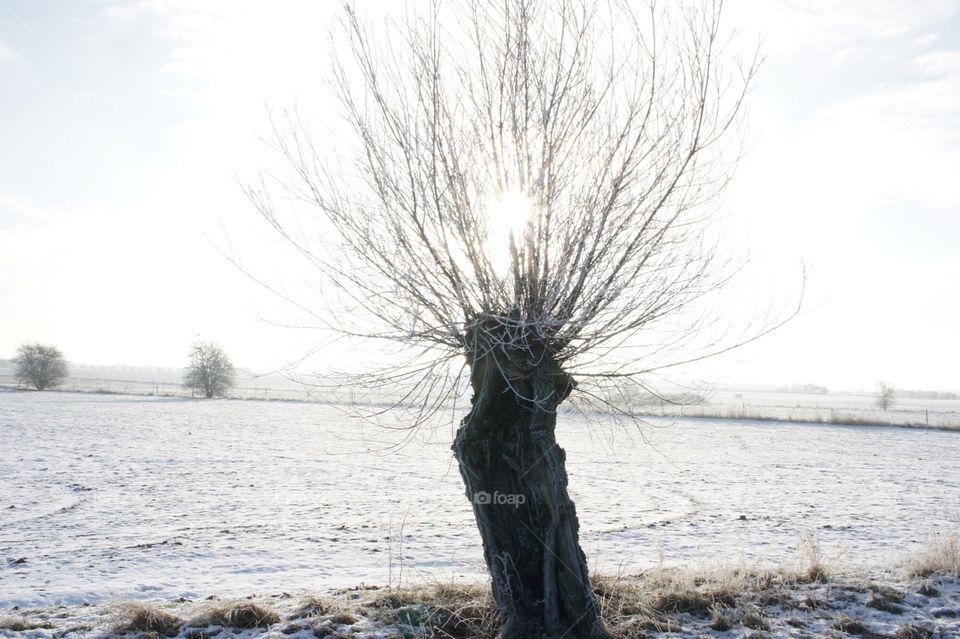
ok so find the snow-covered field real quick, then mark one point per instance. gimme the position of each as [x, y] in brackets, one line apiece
[105, 497]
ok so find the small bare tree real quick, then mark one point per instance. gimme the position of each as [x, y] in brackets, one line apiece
[210, 371]
[528, 190]
[885, 395]
[42, 366]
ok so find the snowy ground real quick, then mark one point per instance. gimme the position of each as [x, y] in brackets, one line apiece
[124, 497]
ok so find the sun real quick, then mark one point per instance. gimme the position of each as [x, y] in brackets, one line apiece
[508, 215]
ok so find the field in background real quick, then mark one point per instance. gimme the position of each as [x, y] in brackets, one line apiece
[753, 403]
[106, 496]
[813, 408]
[168, 382]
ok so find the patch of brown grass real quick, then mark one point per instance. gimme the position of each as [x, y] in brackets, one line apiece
[312, 606]
[720, 621]
[813, 571]
[619, 598]
[342, 618]
[462, 612]
[851, 626]
[397, 598]
[241, 615]
[884, 604]
[755, 621]
[20, 624]
[695, 602]
[140, 617]
[911, 631]
[445, 609]
[941, 555]
[453, 590]
[780, 597]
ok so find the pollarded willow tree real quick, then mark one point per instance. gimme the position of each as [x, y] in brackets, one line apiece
[527, 187]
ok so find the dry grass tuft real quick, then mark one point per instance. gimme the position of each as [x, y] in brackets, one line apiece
[397, 598]
[720, 620]
[884, 604]
[890, 594]
[911, 631]
[851, 626]
[755, 621]
[242, 615]
[779, 597]
[695, 602]
[342, 618]
[140, 617]
[446, 610]
[459, 611]
[636, 606]
[312, 606]
[813, 569]
[619, 598]
[453, 590]
[815, 575]
[940, 556]
[19, 624]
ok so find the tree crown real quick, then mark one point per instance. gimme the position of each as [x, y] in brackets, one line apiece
[42, 366]
[525, 176]
[209, 370]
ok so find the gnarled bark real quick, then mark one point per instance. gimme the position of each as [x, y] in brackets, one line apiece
[516, 479]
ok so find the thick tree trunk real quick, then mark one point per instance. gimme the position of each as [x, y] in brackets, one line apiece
[516, 479]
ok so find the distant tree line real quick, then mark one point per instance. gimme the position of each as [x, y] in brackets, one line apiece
[926, 394]
[209, 371]
[809, 389]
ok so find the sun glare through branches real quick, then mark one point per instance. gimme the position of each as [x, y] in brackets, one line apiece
[507, 217]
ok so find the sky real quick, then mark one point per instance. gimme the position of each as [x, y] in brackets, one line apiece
[126, 128]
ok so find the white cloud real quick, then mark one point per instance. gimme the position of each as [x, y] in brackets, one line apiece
[124, 12]
[8, 55]
[788, 26]
[925, 40]
[938, 63]
[849, 54]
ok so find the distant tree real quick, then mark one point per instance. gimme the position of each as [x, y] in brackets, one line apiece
[40, 365]
[210, 371]
[886, 394]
